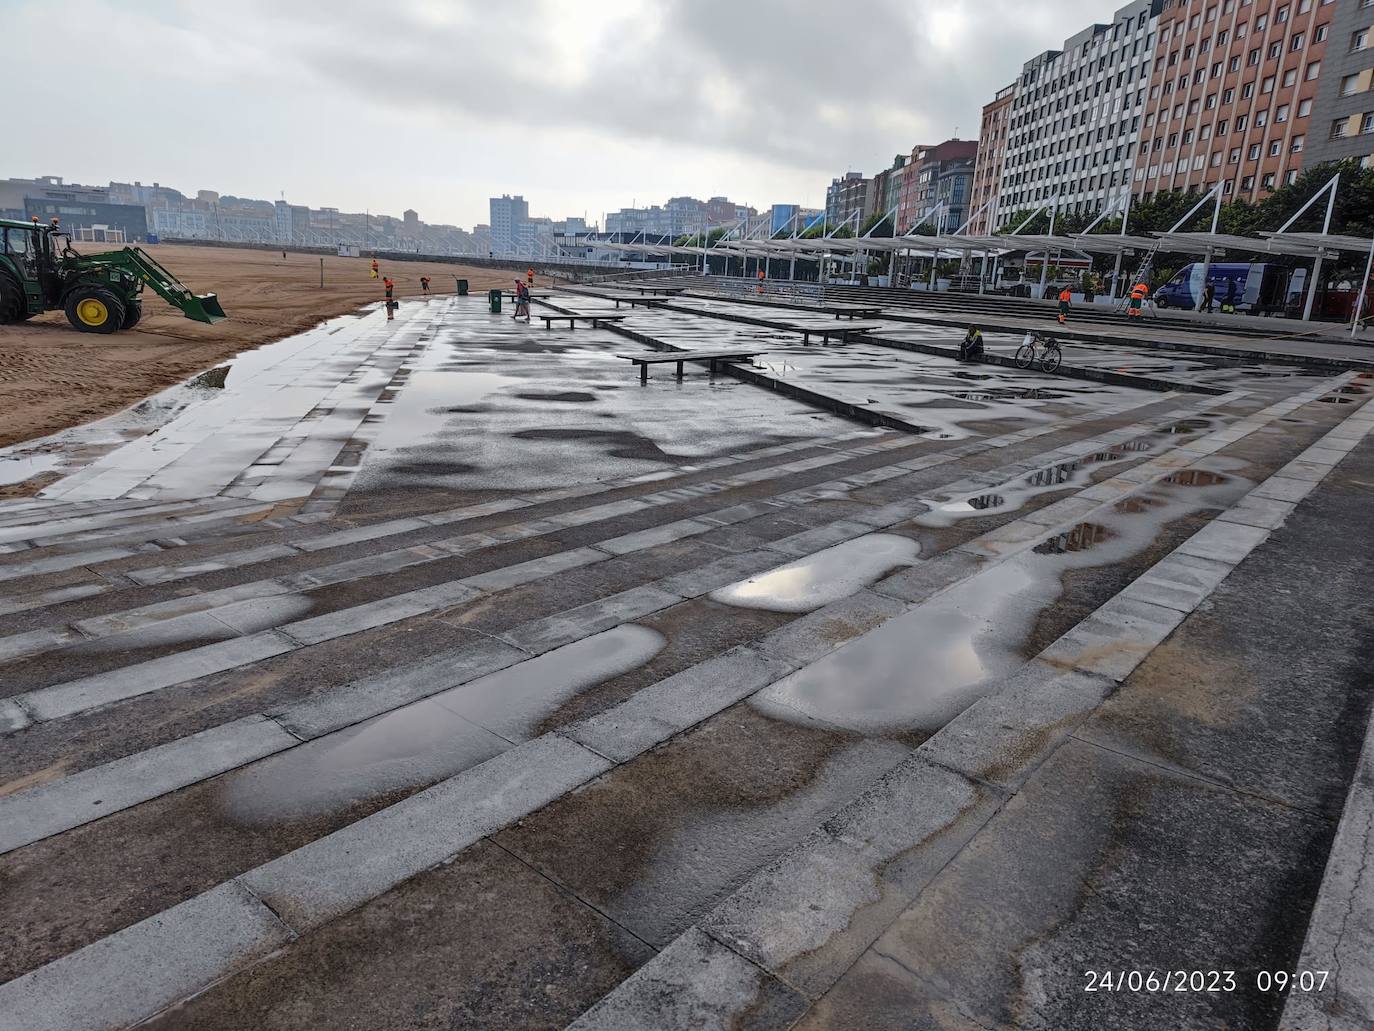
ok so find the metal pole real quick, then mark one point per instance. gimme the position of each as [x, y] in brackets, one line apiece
[1207, 257]
[1045, 251]
[1364, 289]
[1317, 261]
[321, 273]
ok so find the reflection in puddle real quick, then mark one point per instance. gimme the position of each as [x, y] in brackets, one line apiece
[1080, 538]
[921, 669]
[824, 577]
[1014, 493]
[1195, 478]
[434, 738]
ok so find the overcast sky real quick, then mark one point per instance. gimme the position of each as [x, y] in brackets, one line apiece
[583, 106]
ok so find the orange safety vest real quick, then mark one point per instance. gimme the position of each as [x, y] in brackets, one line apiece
[1139, 291]
[760, 273]
[1065, 295]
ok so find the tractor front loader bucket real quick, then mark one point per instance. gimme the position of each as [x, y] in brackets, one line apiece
[203, 308]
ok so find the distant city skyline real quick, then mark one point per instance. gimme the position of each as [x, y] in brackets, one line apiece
[606, 105]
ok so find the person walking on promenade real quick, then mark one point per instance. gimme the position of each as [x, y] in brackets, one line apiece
[386, 282]
[522, 301]
[1064, 298]
[1209, 292]
[424, 284]
[374, 268]
[529, 278]
[391, 307]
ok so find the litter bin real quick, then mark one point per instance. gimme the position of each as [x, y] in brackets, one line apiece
[494, 299]
[462, 288]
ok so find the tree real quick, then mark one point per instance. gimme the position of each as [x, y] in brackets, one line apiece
[883, 230]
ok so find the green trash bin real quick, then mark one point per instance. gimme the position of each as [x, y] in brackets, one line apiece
[494, 299]
[462, 288]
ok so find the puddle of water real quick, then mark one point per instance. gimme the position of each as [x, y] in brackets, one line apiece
[428, 740]
[19, 468]
[1014, 494]
[824, 577]
[921, 669]
[1333, 400]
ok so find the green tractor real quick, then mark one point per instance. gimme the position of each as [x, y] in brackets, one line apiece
[39, 271]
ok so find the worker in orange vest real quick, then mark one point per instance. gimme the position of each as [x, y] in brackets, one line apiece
[374, 268]
[386, 282]
[1064, 298]
[529, 278]
[1138, 294]
[762, 277]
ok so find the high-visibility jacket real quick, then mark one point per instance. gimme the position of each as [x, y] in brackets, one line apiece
[760, 273]
[1139, 291]
[1065, 295]
[374, 264]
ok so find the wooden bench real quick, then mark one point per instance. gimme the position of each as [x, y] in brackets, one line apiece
[573, 318]
[647, 358]
[825, 331]
[852, 311]
[648, 300]
[667, 291]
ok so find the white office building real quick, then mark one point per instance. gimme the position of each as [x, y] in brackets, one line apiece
[1075, 123]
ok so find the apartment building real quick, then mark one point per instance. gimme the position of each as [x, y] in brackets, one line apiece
[1343, 112]
[992, 152]
[1076, 115]
[849, 197]
[942, 174]
[1232, 95]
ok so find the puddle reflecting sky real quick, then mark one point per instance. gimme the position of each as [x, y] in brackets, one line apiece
[824, 577]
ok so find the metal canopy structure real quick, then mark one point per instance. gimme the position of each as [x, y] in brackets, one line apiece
[1201, 243]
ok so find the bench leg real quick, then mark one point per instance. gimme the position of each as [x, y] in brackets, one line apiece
[644, 372]
[679, 370]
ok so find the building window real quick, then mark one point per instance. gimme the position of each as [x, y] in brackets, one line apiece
[1234, 156]
[1304, 108]
[1275, 49]
[1313, 70]
[1359, 40]
[1198, 162]
[1281, 115]
[1282, 16]
[1247, 91]
[1261, 117]
[1254, 153]
[1350, 84]
[1248, 183]
[1319, 34]
[1187, 137]
[1268, 181]
[1253, 57]
[1228, 95]
[1234, 64]
[1296, 146]
[1275, 148]
[1290, 77]
[1221, 127]
[1240, 123]
[1367, 123]
[1216, 159]
[1291, 176]
[1338, 128]
[1296, 42]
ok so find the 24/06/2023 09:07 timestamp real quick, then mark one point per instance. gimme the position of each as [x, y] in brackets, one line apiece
[1203, 980]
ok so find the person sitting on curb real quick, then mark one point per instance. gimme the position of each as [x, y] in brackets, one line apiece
[971, 347]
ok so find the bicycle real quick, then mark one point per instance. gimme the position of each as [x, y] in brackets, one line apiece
[1050, 356]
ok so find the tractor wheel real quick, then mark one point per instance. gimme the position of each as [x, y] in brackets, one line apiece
[12, 307]
[132, 313]
[93, 310]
